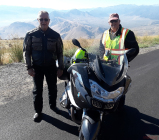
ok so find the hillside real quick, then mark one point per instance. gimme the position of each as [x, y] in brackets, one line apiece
[86, 23]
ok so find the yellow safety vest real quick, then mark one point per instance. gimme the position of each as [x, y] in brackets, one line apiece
[115, 46]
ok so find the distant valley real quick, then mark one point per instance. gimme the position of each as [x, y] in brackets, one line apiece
[83, 23]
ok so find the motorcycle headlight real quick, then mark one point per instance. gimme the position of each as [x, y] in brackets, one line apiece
[98, 92]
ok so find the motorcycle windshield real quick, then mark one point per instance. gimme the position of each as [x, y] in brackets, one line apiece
[110, 71]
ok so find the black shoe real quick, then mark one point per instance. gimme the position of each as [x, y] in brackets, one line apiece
[37, 117]
[56, 110]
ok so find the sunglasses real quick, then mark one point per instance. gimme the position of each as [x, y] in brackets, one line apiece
[45, 19]
[113, 21]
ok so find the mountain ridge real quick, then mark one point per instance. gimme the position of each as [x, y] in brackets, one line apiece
[87, 23]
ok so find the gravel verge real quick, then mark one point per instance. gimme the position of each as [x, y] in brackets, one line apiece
[15, 83]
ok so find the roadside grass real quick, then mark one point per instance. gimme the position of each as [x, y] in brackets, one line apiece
[12, 50]
[91, 45]
[147, 41]
[3, 51]
[16, 51]
[1, 56]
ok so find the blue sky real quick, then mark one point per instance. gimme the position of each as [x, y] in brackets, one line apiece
[74, 4]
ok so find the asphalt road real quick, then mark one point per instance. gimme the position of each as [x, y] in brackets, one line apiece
[138, 121]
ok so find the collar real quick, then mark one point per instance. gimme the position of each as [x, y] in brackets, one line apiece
[44, 32]
[119, 30]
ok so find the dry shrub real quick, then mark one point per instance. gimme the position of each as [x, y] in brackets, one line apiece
[147, 41]
[91, 45]
[6, 58]
[12, 50]
[16, 51]
[1, 56]
[68, 44]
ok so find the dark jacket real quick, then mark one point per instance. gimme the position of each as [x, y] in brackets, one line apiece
[130, 42]
[43, 48]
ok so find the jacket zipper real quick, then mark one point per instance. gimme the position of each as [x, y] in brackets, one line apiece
[44, 49]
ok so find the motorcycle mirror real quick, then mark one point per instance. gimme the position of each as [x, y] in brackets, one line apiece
[76, 42]
[131, 51]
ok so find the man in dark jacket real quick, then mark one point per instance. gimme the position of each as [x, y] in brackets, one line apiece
[117, 38]
[41, 47]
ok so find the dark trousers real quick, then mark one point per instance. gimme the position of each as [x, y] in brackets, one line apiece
[50, 72]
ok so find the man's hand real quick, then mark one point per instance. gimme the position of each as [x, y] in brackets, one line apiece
[31, 72]
[59, 73]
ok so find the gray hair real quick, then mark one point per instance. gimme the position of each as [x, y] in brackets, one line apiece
[43, 12]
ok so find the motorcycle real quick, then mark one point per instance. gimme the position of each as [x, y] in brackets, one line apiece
[95, 87]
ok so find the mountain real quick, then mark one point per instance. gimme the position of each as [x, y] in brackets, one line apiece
[69, 29]
[73, 14]
[16, 29]
[144, 11]
[155, 22]
[58, 14]
[11, 14]
[64, 26]
[79, 32]
[85, 23]
[56, 20]
[77, 13]
[97, 32]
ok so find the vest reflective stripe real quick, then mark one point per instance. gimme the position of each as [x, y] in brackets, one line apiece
[104, 36]
[121, 45]
[116, 46]
[117, 52]
[120, 40]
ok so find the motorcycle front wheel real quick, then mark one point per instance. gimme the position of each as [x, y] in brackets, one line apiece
[121, 104]
[81, 137]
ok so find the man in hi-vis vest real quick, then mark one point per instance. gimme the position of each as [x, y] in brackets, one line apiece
[116, 40]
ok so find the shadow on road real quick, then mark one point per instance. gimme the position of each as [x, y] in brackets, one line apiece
[65, 114]
[61, 125]
[129, 125]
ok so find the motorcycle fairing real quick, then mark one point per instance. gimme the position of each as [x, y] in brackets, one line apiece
[79, 91]
[79, 94]
[104, 85]
[110, 72]
[106, 72]
[69, 91]
[81, 68]
[64, 100]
